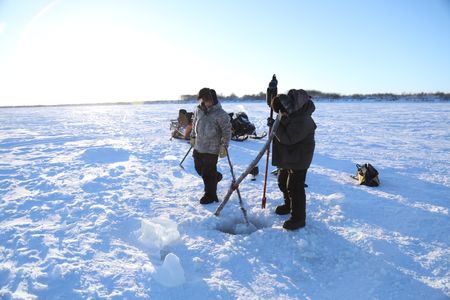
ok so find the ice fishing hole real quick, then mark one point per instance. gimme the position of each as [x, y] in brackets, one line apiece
[238, 226]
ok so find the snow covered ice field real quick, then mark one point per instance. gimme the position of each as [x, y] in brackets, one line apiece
[93, 205]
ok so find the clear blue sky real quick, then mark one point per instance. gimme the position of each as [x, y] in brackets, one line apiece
[92, 51]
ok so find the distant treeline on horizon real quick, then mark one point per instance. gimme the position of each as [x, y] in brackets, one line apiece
[318, 95]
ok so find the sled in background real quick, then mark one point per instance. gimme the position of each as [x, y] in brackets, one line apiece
[182, 126]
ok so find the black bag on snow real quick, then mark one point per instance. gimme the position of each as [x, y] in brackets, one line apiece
[367, 175]
[240, 125]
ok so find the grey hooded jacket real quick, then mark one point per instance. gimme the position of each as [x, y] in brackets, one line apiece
[293, 145]
[211, 129]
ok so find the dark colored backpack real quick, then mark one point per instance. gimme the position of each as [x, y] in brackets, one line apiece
[367, 175]
[240, 124]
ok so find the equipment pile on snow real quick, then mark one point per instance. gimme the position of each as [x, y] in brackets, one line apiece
[242, 128]
[366, 174]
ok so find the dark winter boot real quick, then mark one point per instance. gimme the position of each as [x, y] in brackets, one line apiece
[283, 209]
[208, 199]
[293, 224]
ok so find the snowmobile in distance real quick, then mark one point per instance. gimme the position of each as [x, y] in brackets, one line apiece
[242, 128]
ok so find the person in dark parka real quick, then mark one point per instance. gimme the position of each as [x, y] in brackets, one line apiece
[292, 152]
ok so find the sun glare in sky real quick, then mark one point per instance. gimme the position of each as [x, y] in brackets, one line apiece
[56, 52]
[98, 59]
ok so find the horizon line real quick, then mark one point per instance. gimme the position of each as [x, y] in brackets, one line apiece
[390, 97]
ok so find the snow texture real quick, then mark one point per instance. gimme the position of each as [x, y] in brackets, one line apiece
[94, 205]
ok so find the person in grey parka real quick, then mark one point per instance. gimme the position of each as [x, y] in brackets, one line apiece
[210, 137]
[292, 152]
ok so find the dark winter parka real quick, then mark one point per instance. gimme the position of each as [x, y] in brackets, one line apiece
[293, 145]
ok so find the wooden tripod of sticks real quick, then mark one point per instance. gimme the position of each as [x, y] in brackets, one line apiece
[244, 212]
[235, 184]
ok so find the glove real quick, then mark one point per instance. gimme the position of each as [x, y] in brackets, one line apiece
[223, 151]
[270, 121]
[192, 141]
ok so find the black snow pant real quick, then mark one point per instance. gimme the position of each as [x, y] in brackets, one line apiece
[292, 184]
[206, 166]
